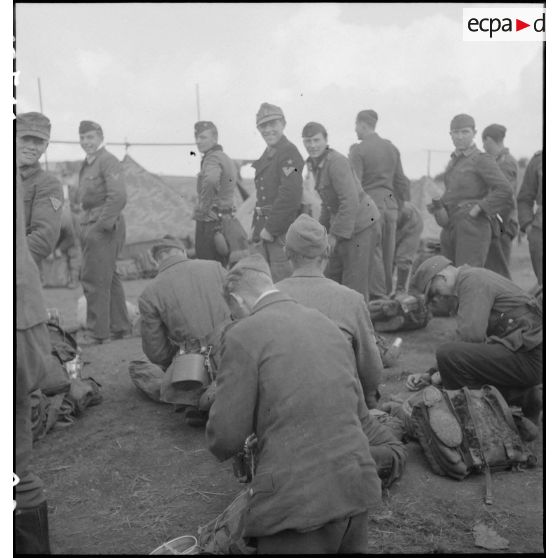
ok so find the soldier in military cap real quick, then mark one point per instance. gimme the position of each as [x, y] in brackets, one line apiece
[102, 195]
[42, 193]
[530, 211]
[278, 189]
[377, 163]
[498, 258]
[499, 332]
[218, 231]
[476, 192]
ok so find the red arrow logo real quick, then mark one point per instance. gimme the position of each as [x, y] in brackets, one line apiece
[519, 25]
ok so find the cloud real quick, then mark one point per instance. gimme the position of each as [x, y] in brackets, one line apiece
[93, 64]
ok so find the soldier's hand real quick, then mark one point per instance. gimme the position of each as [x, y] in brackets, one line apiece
[265, 235]
[475, 210]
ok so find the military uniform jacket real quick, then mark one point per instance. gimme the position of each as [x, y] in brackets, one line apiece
[102, 192]
[377, 164]
[183, 302]
[347, 309]
[287, 374]
[278, 188]
[508, 165]
[30, 308]
[473, 177]
[531, 191]
[43, 198]
[216, 183]
[346, 209]
[493, 309]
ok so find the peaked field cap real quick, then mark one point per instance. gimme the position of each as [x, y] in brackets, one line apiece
[495, 131]
[462, 121]
[268, 112]
[89, 126]
[33, 124]
[306, 236]
[370, 116]
[313, 128]
[253, 262]
[167, 241]
[426, 271]
[204, 125]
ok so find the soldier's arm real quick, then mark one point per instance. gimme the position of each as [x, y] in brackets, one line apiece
[527, 196]
[342, 180]
[231, 417]
[475, 304]
[401, 184]
[356, 161]
[369, 362]
[154, 335]
[116, 193]
[509, 168]
[500, 195]
[325, 216]
[46, 217]
[289, 195]
[210, 181]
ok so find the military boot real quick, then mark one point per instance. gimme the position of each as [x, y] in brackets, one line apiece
[402, 276]
[31, 530]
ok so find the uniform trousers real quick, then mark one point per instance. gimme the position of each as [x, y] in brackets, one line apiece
[205, 242]
[102, 287]
[33, 352]
[383, 252]
[274, 254]
[349, 264]
[466, 240]
[343, 536]
[476, 364]
[497, 259]
[535, 238]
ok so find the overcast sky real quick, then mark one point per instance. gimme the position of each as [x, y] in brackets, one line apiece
[133, 68]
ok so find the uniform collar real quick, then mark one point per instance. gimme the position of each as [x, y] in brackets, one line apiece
[215, 148]
[505, 151]
[371, 137]
[172, 260]
[270, 298]
[89, 159]
[306, 272]
[270, 151]
[465, 152]
[29, 170]
[319, 163]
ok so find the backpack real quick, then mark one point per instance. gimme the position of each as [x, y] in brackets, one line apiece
[403, 313]
[467, 431]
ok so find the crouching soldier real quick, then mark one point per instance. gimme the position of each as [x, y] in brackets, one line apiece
[499, 332]
[287, 376]
[183, 304]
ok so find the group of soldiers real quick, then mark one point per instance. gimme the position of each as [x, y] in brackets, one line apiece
[298, 367]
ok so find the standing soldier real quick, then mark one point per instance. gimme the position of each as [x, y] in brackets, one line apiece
[350, 217]
[498, 258]
[102, 195]
[531, 218]
[278, 190]
[42, 193]
[476, 191]
[407, 242]
[218, 232]
[378, 166]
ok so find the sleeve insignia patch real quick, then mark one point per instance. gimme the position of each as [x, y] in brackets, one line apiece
[288, 170]
[56, 203]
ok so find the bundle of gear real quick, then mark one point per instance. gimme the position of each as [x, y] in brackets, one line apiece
[400, 313]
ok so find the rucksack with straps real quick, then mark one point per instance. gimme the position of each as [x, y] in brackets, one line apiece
[467, 431]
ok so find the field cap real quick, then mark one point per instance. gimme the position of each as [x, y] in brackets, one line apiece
[426, 271]
[33, 124]
[253, 262]
[307, 237]
[89, 126]
[462, 121]
[313, 128]
[369, 116]
[204, 125]
[267, 113]
[167, 241]
[495, 131]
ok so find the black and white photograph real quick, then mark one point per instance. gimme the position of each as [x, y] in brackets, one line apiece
[279, 278]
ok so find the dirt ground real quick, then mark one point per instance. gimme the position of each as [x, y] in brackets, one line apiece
[130, 474]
